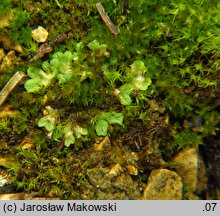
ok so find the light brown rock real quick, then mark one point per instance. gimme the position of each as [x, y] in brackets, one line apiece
[187, 166]
[192, 171]
[132, 170]
[163, 184]
[40, 34]
[115, 170]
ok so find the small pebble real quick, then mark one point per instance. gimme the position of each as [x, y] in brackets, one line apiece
[132, 170]
[40, 34]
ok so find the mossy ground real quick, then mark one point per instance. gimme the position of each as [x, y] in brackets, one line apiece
[178, 42]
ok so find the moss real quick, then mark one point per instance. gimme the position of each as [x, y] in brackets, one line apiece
[167, 51]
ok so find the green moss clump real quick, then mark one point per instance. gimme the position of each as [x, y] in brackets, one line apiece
[96, 84]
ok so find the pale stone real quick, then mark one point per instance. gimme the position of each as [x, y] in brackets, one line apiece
[116, 92]
[191, 169]
[186, 163]
[115, 170]
[163, 184]
[40, 34]
[132, 170]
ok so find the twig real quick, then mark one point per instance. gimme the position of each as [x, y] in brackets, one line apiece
[11, 84]
[48, 47]
[42, 50]
[112, 28]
